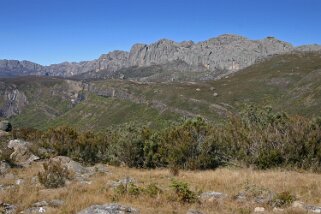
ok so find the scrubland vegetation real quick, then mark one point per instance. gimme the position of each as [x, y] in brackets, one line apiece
[256, 137]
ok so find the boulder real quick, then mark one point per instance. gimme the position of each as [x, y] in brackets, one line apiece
[35, 210]
[8, 208]
[313, 209]
[109, 209]
[56, 203]
[125, 182]
[4, 167]
[40, 204]
[43, 206]
[212, 196]
[256, 195]
[72, 165]
[21, 153]
[309, 208]
[81, 173]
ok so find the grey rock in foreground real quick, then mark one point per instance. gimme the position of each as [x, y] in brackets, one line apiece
[8, 208]
[81, 173]
[109, 209]
[4, 167]
[309, 208]
[212, 196]
[125, 182]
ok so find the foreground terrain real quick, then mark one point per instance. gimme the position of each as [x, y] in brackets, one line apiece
[243, 190]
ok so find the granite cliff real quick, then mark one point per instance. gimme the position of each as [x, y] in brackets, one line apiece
[221, 55]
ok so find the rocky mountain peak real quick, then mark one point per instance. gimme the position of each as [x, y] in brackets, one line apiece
[227, 52]
[227, 38]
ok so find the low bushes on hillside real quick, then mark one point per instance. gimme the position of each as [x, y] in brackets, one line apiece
[54, 174]
[257, 137]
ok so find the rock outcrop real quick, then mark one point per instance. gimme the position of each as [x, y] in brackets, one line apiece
[80, 172]
[228, 53]
[17, 68]
[109, 209]
[13, 100]
[21, 153]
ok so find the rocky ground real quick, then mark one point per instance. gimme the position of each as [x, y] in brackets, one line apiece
[108, 189]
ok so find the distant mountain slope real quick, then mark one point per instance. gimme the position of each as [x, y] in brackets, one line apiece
[288, 82]
[223, 54]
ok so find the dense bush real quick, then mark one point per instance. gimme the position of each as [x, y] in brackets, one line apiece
[256, 136]
[182, 192]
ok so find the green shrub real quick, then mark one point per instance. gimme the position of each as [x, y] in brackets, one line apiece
[152, 190]
[120, 190]
[54, 174]
[182, 192]
[128, 147]
[268, 159]
[283, 199]
[132, 189]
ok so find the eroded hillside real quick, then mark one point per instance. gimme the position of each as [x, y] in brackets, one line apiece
[288, 83]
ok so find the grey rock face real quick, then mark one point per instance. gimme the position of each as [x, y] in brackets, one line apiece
[15, 67]
[227, 52]
[14, 101]
[109, 209]
[307, 48]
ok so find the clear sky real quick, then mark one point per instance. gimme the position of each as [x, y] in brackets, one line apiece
[53, 31]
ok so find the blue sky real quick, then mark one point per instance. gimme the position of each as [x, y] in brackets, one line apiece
[53, 31]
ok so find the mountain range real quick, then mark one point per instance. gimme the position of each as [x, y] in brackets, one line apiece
[160, 83]
[208, 59]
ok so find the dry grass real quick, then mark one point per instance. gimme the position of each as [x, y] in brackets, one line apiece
[305, 186]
